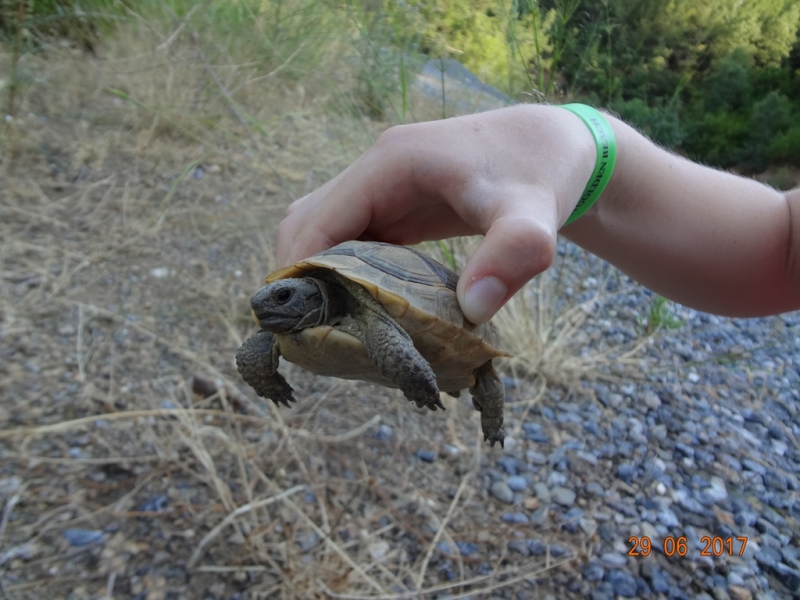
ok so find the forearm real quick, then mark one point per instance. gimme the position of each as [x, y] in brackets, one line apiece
[705, 238]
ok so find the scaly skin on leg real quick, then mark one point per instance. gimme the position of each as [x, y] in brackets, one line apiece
[390, 347]
[393, 352]
[488, 397]
[257, 361]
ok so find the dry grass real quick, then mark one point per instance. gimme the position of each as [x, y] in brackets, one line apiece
[124, 274]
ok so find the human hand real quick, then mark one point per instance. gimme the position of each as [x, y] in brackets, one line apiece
[513, 175]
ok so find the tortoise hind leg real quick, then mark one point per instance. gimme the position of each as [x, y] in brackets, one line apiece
[257, 360]
[488, 397]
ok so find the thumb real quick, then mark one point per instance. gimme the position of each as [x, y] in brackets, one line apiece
[514, 250]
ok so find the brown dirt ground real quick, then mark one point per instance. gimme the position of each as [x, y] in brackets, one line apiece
[124, 277]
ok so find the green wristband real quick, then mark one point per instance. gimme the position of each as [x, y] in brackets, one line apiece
[606, 156]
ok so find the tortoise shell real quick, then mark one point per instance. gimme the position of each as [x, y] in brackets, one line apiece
[417, 291]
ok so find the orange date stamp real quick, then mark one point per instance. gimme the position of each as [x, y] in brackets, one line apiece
[679, 546]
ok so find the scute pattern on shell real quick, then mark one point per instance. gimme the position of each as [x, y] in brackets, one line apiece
[418, 292]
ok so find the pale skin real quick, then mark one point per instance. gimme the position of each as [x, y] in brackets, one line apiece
[708, 239]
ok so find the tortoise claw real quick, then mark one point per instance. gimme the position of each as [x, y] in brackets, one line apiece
[499, 437]
[284, 401]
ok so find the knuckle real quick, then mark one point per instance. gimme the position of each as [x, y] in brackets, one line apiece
[395, 139]
[534, 242]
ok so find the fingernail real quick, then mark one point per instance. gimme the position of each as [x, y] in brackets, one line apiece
[483, 299]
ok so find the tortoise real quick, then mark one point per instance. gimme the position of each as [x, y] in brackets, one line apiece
[375, 312]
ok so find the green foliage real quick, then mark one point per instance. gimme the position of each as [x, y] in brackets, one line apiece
[785, 147]
[718, 80]
[771, 116]
[495, 39]
[660, 316]
[718, 138]
[660, 123]
[728, 86]
[740, 115]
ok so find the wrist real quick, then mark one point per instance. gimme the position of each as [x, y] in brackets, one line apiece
[580, 153]
[606, 155]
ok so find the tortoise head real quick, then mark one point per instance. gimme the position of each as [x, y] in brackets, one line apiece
[289, 305]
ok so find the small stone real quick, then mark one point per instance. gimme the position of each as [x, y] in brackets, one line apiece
[520, 546]
[593, 571]
[738, 592]
[622, 582]
[788, 576]
[502, 492]
[508, 464]
[614, 559]
[159, 272]
[746, 518]
[451, 450]
[83, 537]
[515, 518]
[537, 547]
[754, 466]
[667, 518]
[588, 457]
[542, 491]
[779, 447]
[154, 504]
[535, 458]
[651, 400]
[587, 525]
[556, 479]
[594, 487]
[559, 551]
[650, 531]
[659, 581]
[531, 503]
[307, 540]
[717, 491]
[626, 472]
[734, 579]
[563, 496]
[427, 456]
[378, 550]
[468, 548]
[539, 516]
[517, 483]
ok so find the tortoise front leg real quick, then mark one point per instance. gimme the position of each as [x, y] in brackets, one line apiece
[488, 397]
[393, 352]
[257, 361]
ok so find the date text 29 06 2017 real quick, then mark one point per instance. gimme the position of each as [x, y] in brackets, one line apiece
[672, 546]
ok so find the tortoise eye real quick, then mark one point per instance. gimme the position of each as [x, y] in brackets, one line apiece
[282, 297]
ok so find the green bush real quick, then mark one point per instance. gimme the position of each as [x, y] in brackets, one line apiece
[718, 138]
[660, 123]
[785, 147]
[728, 87]
[771, 115]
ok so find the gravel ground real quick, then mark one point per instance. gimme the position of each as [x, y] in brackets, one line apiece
[703, 458]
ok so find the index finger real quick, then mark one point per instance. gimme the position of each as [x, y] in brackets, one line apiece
[307, 229]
